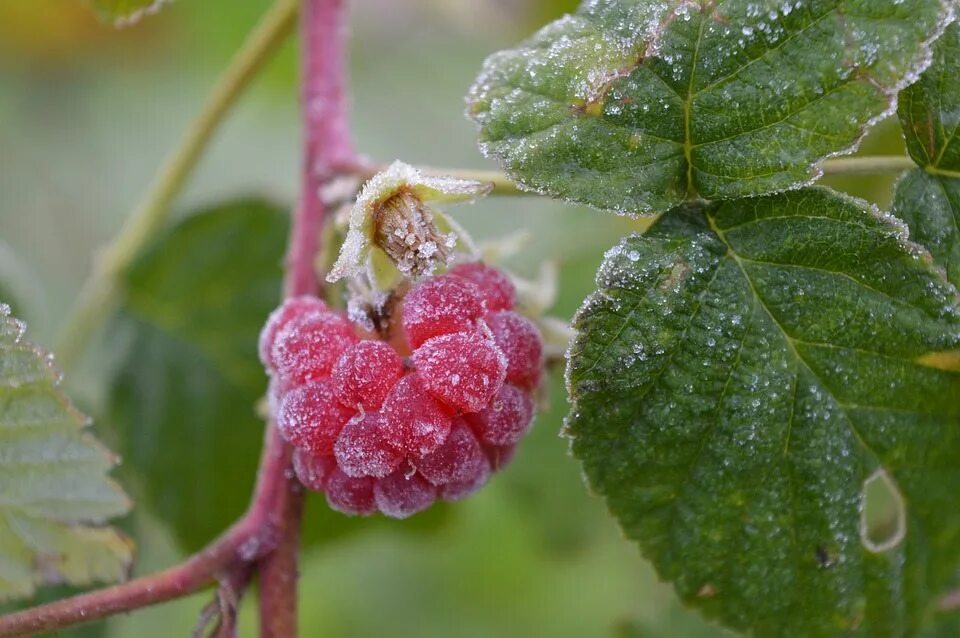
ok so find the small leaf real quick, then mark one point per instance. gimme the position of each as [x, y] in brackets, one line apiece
[928, 200]
[54, 491]
[637, 105]
[126, 12]
[741, 376]
[930, 109]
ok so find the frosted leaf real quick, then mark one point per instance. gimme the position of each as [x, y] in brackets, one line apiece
[392, 213]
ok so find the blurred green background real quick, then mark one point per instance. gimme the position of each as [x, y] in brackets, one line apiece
[86, 115]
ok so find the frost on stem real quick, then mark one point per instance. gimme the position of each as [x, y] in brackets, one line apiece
[393, 215]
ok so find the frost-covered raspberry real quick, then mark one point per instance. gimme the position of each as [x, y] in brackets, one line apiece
[460, 458]
[520, 341]
[362, 449]
[292, 309]
[307, 346]
[506, 418]
[415, 422]
[464, 370]
[401, 495]
[351, 495]
[310, 417]
[441, 305]
[313, 471]
[365, 373]
[497, 289]
[390, 426]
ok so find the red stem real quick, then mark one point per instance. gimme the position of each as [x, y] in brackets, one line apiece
[268, 535]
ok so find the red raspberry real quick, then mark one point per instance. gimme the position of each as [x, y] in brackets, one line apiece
[520, 341]
[464, 370]
[400, 496]
[506, 418]
[307, 347]
[310, 417]
[496, 287]
[313, 471]
[361, 449]
[458, 459]
[439, 306]
[291, 309]
[415, 423]
[365, 373]
[353, 496]
[467, 486]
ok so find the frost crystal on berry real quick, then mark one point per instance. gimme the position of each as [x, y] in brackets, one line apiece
[415, 422]
[458, 459]
[439, 306]
[353, 496]
[464, 370]
[292, 309]
[365, 373]
[362, 449]
[506, 418]
[520, 341]
[307, 347]
[400, 495]
[497, 289]
[310, 417]
[313, 471]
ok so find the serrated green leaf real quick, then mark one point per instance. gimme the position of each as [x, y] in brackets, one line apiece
[54, 491]
[930, 109]
[743, 370]
[637, 105]
[126, 12]
[930, 206]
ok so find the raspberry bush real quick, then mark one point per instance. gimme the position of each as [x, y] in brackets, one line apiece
[763, 379]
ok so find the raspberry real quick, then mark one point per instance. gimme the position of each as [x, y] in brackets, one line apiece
[365, 373]
[520, 341]
[361, 449]
[313, 471]
[497, 289]
[414, 422]
[458, 459]
[353, 496]
[467, 486]
[400, 496]
[291, 309]
[506, 418]
[307, 347]
[439, 306]
[464, 370]
[310, 417]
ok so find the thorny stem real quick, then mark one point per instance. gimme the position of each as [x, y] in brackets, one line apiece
[98, 294]
[267, 536]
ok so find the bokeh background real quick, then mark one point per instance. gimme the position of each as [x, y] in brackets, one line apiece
[87, 114]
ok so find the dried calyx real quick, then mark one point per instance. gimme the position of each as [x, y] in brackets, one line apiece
[405, 230]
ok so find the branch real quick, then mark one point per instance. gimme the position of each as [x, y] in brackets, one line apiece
[98, 293]
[327, 148]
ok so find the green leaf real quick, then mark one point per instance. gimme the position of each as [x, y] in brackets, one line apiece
[745, 372]
[930, 109]
[638, 105]
[928, 200]
[184, 398]
[126, 12]
[54, 491]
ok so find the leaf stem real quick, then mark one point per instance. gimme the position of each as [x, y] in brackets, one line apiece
[98, 294]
